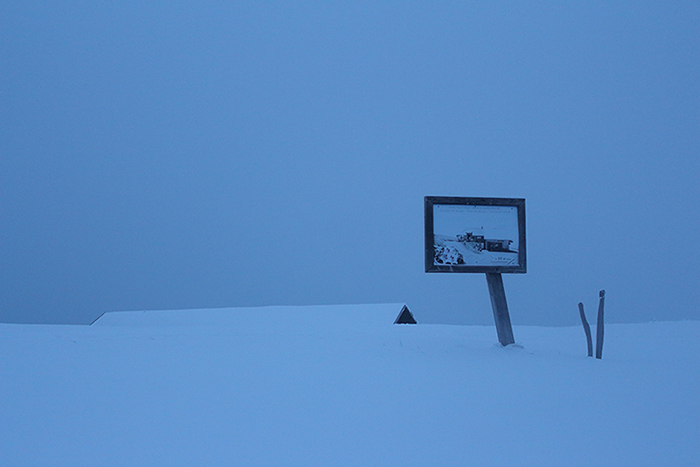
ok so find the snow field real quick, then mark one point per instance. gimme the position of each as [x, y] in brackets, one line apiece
[205, 390]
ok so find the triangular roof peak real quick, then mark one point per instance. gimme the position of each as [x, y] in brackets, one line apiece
[405, 317]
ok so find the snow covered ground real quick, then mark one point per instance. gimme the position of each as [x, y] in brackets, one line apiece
[343, 386]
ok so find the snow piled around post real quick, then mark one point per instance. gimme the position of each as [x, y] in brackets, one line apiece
[313, 386]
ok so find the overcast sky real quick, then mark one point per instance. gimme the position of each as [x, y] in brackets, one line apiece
[158, 155]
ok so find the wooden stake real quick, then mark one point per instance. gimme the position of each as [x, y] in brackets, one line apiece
[599, 330]
[586, 329]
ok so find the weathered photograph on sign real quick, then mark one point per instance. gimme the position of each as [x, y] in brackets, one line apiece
[475, 235]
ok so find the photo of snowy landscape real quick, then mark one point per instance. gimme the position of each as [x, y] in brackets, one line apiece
[215, 216]
[474, 235]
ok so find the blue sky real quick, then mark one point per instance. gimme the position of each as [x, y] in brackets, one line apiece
[211, 154]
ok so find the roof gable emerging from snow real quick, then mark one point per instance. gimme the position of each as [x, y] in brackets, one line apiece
[405, 317]
[282, 317]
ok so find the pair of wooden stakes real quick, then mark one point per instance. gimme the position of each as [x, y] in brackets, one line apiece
[599, 328]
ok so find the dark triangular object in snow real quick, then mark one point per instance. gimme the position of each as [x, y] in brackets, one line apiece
[405, 317]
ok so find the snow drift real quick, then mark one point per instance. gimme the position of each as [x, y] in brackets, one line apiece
[342, 386]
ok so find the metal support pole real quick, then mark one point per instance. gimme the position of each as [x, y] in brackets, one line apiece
[500, 308]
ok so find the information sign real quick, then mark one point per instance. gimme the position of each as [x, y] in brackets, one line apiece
[485, 235]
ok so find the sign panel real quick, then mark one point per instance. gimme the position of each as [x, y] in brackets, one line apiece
[475, 235]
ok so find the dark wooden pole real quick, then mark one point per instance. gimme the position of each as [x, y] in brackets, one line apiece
[599, 330]
[586, 329]
[500, 308]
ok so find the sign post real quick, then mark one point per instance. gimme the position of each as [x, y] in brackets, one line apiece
[482, 235]
[500, 308]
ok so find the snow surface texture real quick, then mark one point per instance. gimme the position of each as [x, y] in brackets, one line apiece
[322, 386]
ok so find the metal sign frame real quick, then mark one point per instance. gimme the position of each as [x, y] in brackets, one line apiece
[475, 250]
